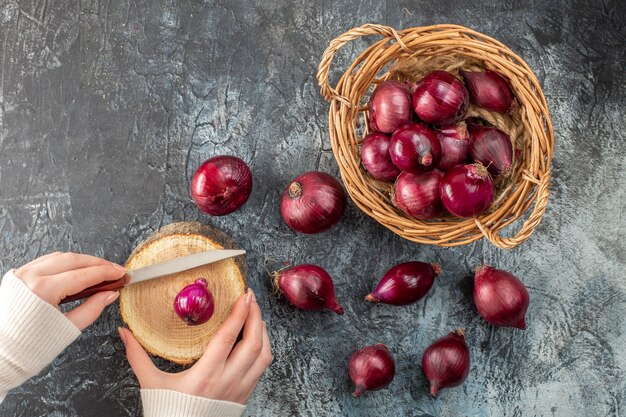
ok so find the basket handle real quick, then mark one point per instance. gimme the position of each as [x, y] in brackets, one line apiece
[543, 194]
[328, 92]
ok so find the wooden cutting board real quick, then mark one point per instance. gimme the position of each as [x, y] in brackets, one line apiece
[148, 307]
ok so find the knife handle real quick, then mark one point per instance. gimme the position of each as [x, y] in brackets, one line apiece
[116, 285]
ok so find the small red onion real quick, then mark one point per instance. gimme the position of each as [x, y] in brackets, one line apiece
[308, 287]
[194, 303]
[405, 283]
[376, 158]
[454, 140]
[371, 368]
[466, 190]
[488, 90]
[440, 99]
[492, 148]
[221, 185]
[415, 148]
[418, 194]
[313, 202]
[390, 106]
[446, 362]
[500, 297]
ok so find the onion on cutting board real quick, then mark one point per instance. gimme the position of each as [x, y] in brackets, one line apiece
[147, 307]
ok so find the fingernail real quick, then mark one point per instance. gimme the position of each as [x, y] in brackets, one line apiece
[249, 296]
[112, 297]
[253, 296]
[118, 267]
[122, 335]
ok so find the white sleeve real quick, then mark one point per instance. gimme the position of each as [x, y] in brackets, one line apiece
[32, 333]
[168, 403]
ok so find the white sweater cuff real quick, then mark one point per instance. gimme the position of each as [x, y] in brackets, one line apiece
[32, 333]
[168, 403]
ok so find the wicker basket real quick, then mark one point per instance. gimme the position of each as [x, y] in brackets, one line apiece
[452, 47]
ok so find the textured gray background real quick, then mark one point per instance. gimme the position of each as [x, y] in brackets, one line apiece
[107, 107]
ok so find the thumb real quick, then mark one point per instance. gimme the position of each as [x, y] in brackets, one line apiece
[142, 365]
[86, 313]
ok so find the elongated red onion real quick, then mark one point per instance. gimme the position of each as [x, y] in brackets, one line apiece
[489, 90]
[405, 283]
[492, 148]
[440, 99]
[446, 362]
[415, 148]
[371, 368]
[308, 287]
[500, 297]
[313, 202]
[390, 106]
[466, 190]
[194, 304]
[454, 140]
[376, 158]
[221, 185]
[418, 194]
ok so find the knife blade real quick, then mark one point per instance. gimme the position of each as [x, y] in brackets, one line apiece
[161, 269]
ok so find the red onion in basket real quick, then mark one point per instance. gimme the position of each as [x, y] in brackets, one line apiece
[376, 158]
[371, 368]
[308, 287]
[488, 90]
[492, 148]
[446, 362]
[466, 190]
[455, 144]
[415, 148]
[500, 297]
[313, 202]
[194, 303]
[221, 185]
[418, 194]
[390, 106]
[440, 99]
[405, 283]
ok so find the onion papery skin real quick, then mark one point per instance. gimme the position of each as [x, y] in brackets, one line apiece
[390, 106]
[415, 148]
[489, 90]
[446, 362]
[500, 297]
[376, 159]
[405, 283]
[371, 368]
[308, 287]
[440, 99]
[455, 144]
[492, 148]
[466, 190]
[194, 304]
[418, 194]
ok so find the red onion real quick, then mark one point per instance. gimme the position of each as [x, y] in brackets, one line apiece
[454, 140]
[418, 194]
[500, 297]
[371, 368]
[376, 158]
[221, 185]
[405, 283]
[488, 90]
[492, 148]
[440, 99]
[308, 287]
[194, 303]
[466, 190]
[446, 362]
[415, 148]
[390, 106]
[313, 202]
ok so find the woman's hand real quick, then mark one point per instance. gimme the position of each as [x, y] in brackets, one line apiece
[57, 275]
[227, 370]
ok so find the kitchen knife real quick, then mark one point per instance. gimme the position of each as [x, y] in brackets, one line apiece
[156, 271]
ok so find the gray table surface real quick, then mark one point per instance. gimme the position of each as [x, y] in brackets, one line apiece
[107, 108]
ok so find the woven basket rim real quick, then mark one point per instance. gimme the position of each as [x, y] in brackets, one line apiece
[531, 189]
